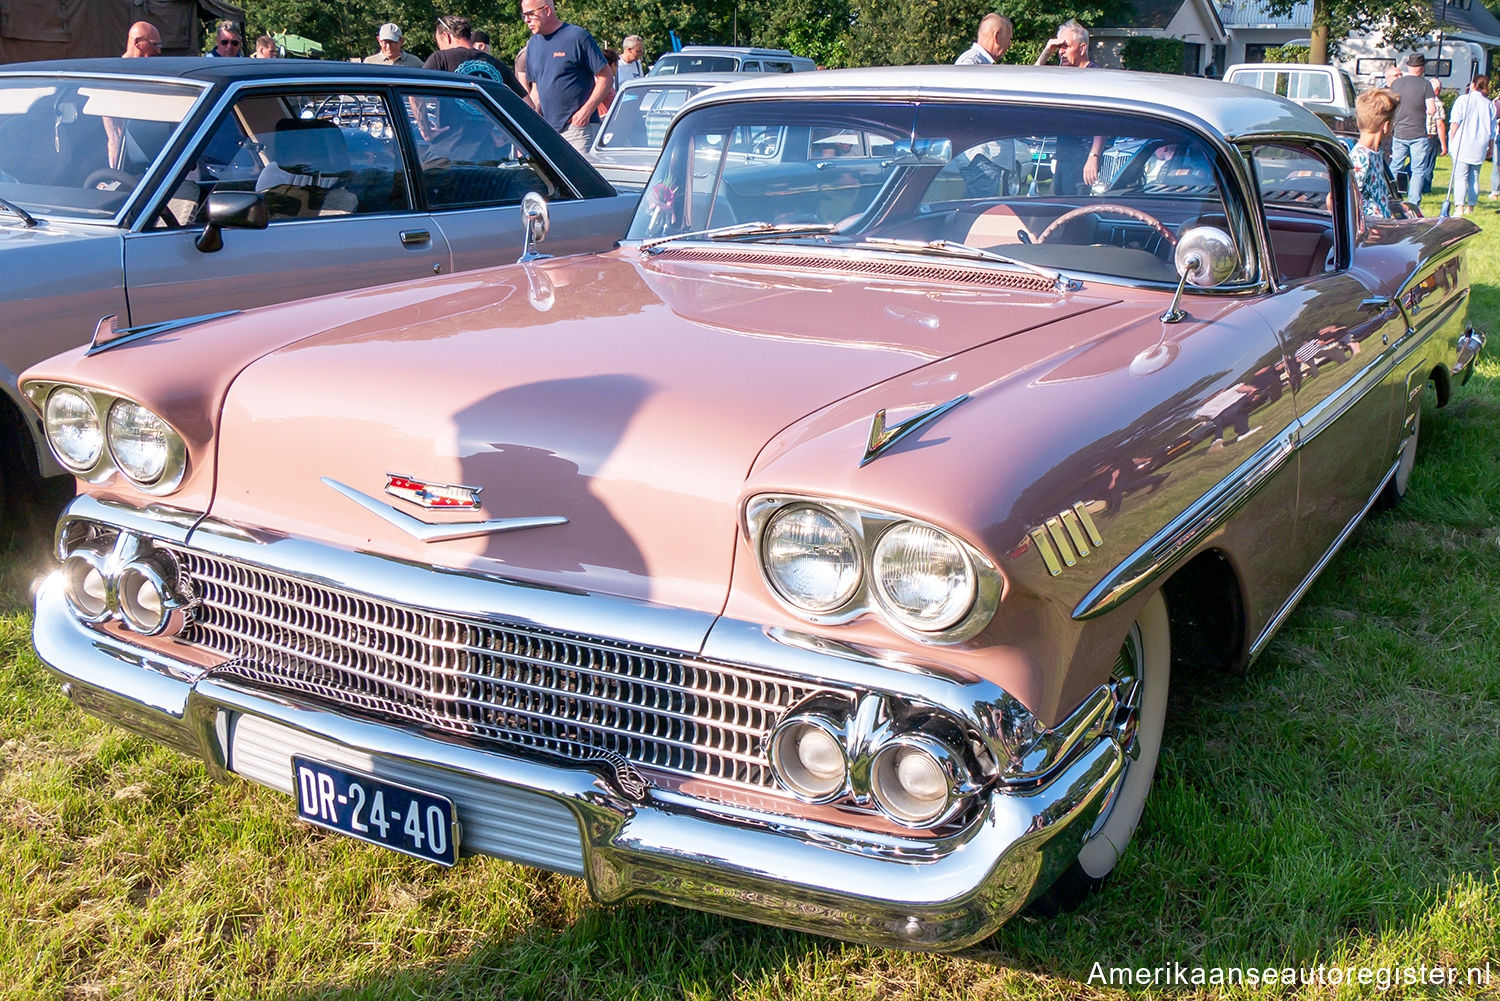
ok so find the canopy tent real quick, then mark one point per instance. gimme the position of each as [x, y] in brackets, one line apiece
[73, 29]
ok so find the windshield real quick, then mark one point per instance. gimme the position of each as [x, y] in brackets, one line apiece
[76, 148]
[640, 116]
[680, 63]
[1067, 189]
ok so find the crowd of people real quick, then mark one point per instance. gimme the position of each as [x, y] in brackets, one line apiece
[569, 79]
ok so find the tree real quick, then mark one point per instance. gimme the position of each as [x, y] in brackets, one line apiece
[936, 31]
[1400, 21]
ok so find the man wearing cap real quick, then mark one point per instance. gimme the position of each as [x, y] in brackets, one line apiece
[390, 53]
[1410, 143]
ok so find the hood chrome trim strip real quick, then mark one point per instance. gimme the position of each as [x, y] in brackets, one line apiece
[882, 437]
[424, 532]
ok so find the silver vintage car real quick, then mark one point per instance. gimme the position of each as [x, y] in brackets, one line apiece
[155, 189]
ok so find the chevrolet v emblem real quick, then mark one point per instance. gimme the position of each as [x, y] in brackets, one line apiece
[425, 532]
[433, 496]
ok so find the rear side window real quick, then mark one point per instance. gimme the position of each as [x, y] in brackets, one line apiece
[1296, 189]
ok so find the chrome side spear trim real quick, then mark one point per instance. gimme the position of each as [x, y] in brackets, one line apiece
[882, 437]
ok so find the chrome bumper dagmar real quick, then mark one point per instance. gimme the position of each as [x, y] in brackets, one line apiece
[573, 817]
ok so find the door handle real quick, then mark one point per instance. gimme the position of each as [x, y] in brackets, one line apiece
[415, 237]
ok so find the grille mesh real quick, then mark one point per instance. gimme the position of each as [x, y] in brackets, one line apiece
[485, 681]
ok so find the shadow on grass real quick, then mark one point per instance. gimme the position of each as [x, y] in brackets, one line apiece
[26, 540]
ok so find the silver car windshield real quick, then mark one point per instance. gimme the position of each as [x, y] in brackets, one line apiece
[1058, 189]
[76, 148]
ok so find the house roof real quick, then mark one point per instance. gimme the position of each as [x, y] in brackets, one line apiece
[1147, 16]
[1473, 22]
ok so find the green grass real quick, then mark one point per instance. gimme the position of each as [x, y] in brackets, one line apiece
[1338, 805]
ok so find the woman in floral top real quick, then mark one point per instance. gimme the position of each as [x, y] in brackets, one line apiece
[1373, 111]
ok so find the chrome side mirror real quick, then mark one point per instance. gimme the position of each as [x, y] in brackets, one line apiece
[535, 222]
[1206, 257]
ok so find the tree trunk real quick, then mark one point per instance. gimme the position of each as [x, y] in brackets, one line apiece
[1319, 53]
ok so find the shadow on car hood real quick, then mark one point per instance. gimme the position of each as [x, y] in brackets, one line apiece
[627, 397]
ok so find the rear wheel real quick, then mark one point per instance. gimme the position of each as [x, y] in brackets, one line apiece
[1141, 677]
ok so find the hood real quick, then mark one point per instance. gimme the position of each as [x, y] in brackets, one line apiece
[626, 400]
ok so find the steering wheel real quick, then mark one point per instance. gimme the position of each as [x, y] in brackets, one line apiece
[101, 178]
[1112, 208]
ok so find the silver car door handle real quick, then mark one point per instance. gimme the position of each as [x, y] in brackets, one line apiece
[415, 237]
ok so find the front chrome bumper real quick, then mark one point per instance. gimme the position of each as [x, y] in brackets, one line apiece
[808, 875]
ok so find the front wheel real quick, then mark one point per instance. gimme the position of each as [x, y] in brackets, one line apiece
[1141, 677]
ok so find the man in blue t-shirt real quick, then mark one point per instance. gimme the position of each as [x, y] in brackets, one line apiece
[566, 74]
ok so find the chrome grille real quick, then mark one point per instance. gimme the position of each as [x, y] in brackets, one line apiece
[506, 684]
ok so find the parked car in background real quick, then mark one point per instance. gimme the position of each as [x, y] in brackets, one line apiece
[821, 556]
[730, 59]
[156, 189]
[629, 139]
[1324, 90]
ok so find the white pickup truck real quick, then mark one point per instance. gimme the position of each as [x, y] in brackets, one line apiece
[1325, 90]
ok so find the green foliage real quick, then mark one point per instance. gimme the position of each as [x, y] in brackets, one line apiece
[1400, 21]
[936, 31]
[1153, 55]
[1287, 54]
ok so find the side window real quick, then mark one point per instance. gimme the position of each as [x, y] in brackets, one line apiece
[1296, 188]
[311, 155]
[469, 158]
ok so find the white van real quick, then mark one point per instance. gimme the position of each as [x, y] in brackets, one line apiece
[730, 59]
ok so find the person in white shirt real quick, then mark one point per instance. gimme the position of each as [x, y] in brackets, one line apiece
[1471, 130]
[631, 65]
[995, 31]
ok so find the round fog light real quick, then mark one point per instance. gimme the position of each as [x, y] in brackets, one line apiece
[808, 756]
[148, 600]
[84, 586]
[914, 780]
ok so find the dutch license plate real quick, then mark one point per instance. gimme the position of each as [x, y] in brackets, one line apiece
[417, 823]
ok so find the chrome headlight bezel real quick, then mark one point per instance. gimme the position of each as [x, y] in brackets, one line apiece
[107, 462]
[47, 403]
[867, 526]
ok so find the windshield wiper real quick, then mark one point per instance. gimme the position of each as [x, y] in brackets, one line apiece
[13, 207]
[952, 248]
[742, 230]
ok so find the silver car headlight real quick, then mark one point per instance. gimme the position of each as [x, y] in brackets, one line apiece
[142, 444]
[73, 429]
[811, 558]
[923, 577]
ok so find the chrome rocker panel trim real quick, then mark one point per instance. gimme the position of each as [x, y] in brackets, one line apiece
[881, 889]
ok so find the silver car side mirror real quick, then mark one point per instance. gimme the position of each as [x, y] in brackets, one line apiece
[1206, 257]
[535, 222]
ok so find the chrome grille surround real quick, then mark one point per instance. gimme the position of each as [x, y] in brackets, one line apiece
[500, 683]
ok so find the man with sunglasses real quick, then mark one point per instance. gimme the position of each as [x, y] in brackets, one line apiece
[566, 74]
[229, 41]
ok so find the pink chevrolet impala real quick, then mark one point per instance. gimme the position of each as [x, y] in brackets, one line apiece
[821, 556]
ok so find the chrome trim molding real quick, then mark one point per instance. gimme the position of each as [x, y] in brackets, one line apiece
[1169, 545]
[425, 532]
[1060, 540]
[882, 438]
[107, 335]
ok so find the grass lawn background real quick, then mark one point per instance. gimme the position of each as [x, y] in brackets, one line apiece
[1339, 805]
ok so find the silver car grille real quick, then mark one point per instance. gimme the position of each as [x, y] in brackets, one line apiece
[582, 698]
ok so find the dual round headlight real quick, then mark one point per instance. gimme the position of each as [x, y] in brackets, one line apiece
[920, 576]
[137, 441]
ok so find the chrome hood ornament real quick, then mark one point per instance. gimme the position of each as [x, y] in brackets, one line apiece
[425, 532]
[882, 437]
